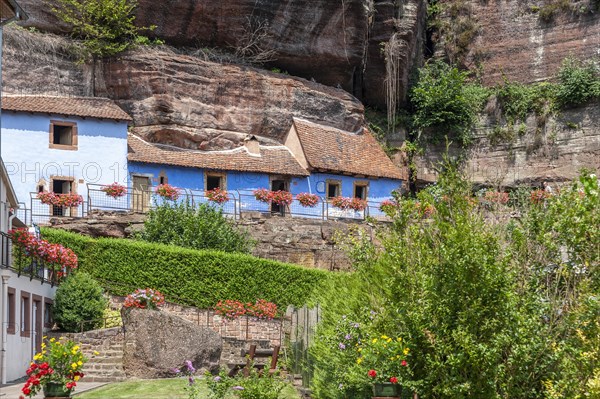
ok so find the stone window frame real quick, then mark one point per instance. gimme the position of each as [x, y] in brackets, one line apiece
[25, 312]
[221, 175]
[329, 182]
[361, 183]
[74, 136]
[74, 187]
[11, 327]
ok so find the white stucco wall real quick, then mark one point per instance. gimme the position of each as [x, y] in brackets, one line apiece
[19, 349]
[100, 158]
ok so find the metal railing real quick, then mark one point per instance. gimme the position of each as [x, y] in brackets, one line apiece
[34, 268]
[241, 203]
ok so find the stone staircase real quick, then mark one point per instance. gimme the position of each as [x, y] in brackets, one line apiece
[107, 366]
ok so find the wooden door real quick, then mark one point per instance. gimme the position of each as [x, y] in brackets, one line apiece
[140, 198]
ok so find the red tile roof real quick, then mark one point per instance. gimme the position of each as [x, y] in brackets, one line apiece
[273, 160]
[336, 151]
[85, 107]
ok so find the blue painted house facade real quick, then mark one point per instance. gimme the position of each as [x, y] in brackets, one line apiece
[314, 159]
[62, 144]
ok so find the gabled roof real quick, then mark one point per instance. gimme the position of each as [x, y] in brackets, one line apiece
[273, 160]
[332, 150]
[84, 107]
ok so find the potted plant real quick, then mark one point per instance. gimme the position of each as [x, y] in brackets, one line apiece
[263, 195]
[167, 191]
[308, 200]
[386, 359]
[114, 190]
[55, 370]
[67, 200]
[217, 195]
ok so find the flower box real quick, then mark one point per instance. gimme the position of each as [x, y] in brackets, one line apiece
[114, 190]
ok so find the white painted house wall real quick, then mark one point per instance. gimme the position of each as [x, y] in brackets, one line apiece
[100, 157]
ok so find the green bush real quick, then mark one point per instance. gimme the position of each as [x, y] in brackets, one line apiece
[489, 310]
[202, 227]
[442, 101]
[199, 278]
[79, 299]
[106, 27]
[579, 82]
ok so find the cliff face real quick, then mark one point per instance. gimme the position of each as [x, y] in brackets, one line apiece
[554, 153]
[336, 43]
[514, 39]
[178, 99]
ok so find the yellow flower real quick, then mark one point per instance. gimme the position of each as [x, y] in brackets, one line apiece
[359, 360]
[384, 337]
[360, 349]
[37, 356]
[389, 340]
[73, 366]
[52, 340]
[73, 352]
[374, 340]
[80, 363]
[76, 348]
[96, 353]
[76, 378]
[399, 339]
[405, 351]
[43, 345]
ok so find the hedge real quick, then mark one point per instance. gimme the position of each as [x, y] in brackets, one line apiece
[199, 278]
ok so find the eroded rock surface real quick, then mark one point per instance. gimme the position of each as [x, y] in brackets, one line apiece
[156, 341]
[554, 152]
[185, 101]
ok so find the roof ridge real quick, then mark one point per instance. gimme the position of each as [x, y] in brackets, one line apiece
[230, 151]
[356, 133]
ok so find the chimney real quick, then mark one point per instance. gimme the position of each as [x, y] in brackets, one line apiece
[252, 144]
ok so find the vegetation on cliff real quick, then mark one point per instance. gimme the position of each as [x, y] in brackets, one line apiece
[106, 27]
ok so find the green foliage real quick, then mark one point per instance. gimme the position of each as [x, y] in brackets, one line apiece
[491, 310]
[444, 103]
[579, 82]
[202, 227]
[79, 299]
[199, 278]
[106, 27]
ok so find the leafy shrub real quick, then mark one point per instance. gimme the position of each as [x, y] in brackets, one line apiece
[579, 82]
[201, 227]
[79, 299]
[441, 102]
[106, 26]
[490, 309]
[200, 278]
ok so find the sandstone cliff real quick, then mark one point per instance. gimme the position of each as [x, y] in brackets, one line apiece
[176, 98]
[336, 43]
[554, 153]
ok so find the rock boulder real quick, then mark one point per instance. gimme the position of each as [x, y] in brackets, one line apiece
[156, 341]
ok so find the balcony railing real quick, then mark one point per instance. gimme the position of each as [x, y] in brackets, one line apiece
[241, 203]
[34, 268]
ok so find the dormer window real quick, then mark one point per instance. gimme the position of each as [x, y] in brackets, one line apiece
[63, 135]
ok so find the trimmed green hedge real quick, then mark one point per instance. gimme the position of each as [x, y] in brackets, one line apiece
[200, 278]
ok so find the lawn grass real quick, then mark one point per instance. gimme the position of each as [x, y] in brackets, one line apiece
[168, 388]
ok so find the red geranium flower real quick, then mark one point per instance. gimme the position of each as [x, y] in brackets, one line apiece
[404, 363]
[394, 380]
[372, 373]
